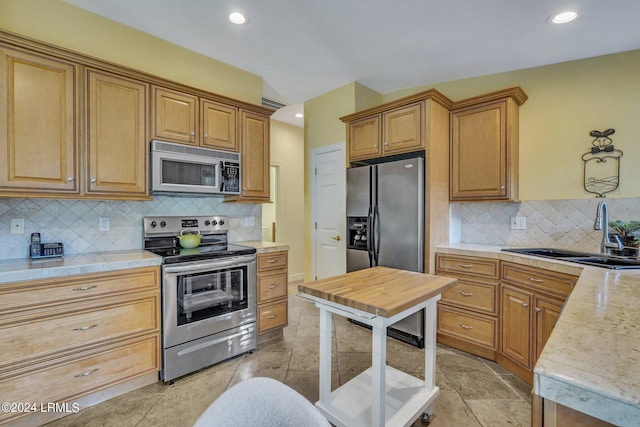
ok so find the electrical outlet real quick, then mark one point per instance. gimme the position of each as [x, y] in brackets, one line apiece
[105, 224]
[248, 221]
[518, 223]
[16, 226]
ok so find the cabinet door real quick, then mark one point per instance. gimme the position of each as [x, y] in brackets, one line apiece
[479, 152]
[402, 130]
[547, 313]
[117, 132]
[218, 125]
[175, 116]
[516, 324]
[38, 126]
[364, 138]
[254, 132]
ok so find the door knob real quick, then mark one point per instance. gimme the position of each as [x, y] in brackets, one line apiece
[336, 238]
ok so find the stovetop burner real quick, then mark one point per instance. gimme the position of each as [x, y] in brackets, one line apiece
[161, 237]
[178, 254]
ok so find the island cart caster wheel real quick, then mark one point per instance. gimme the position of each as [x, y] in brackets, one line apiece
[425, 418]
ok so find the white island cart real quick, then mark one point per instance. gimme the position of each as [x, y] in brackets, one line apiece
[378, 297]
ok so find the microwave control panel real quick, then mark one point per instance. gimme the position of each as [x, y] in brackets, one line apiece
[230, 178]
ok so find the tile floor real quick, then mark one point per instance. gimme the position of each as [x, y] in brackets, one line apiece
[473, 391]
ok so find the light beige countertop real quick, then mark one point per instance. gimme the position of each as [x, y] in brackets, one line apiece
[263, 247]
[591, 362]
[19, 270]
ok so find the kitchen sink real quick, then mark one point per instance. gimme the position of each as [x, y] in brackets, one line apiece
[585, 258]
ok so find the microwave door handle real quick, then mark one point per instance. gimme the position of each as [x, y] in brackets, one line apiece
[222, 176]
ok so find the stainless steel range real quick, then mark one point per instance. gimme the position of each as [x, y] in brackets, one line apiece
[208, 293]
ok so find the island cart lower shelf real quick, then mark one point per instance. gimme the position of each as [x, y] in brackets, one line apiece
[378, 297]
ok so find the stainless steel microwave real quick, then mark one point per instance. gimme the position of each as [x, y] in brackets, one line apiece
[177, 169]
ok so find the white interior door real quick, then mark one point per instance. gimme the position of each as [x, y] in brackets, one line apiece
[329, 211]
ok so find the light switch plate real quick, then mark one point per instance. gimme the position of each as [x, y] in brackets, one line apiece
[518, 223]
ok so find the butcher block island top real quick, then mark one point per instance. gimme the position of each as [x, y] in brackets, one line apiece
[381, 291]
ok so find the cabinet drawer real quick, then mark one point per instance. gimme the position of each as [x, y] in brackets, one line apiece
[272, 260]
[272, 316]
[473, 295]
[72, 378]
[272, 286]
[475, 328]
[38, 334]
[26, 295]
[538, 278]
[469, 266]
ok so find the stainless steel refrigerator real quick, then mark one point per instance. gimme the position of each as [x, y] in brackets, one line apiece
[385, 221]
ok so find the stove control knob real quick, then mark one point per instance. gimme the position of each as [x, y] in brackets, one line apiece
[221, 222]
[207, 222]
[214, 222]
[163, 224]
[153, 224]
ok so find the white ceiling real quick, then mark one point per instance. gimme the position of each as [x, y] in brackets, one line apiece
[304, 48]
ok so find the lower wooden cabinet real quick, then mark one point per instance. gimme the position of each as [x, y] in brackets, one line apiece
[531, 302]
[66, 338]
[468, 312]
[272, 290]
[547, 413]
[502, 311]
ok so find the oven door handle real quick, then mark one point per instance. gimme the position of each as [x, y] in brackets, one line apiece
[209, 265]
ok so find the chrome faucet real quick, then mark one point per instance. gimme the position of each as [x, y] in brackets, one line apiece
[602, 223]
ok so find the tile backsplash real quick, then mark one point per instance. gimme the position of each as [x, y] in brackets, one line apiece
[550, 223]
[75, 223]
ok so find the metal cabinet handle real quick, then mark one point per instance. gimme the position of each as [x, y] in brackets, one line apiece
[533, 279]
[336, 238]
[466, 265]
[465, 294]
[271, 317]
[525, 305]
[271, 261]
[538, 309]
[70, 178]
[386, 143]
[93, 180]
[375, 145]
[462, 325]
[84, 288]
[206, 135]
[85, 328]
[193, 133]
[272, 286]
[85, 374]
[502, 187]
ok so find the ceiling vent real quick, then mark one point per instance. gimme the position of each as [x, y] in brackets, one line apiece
[272, 103]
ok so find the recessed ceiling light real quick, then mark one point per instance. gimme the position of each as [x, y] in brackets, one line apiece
[563, 17]
[299, 115]
[237, 18]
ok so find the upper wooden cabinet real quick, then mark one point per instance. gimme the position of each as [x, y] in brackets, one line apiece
[174, 116]
[484, 147]
[254, 149]
[187, 119]
[39, 124]
[74, 126]
[219, 126]
[117, 154]
[401, 132]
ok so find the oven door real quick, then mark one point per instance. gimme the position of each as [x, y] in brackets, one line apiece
[207, 297]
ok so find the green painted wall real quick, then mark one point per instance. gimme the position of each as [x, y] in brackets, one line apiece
[62, 24]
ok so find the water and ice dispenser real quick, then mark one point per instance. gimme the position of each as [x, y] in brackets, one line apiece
[357, 229]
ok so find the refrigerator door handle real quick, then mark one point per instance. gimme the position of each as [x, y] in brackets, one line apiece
[370, 237]
[376, 235]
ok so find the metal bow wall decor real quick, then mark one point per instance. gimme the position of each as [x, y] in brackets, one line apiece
[601, 164]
